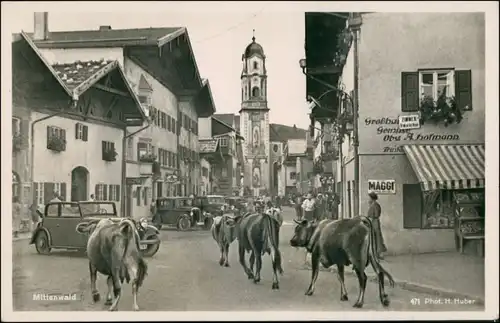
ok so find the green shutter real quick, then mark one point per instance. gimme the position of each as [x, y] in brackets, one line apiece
[409, 92]
[412, 206]
[463, 89]
[85, 133]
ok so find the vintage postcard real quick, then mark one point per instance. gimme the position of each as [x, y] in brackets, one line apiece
[249, 161]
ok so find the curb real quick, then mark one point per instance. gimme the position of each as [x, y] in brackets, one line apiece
[415, 287]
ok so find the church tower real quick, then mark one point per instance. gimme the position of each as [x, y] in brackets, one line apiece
[254, 119]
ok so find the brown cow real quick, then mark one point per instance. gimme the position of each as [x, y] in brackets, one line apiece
[113, 250]
[342, 243]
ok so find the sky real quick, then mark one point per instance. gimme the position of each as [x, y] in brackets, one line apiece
[219, 35]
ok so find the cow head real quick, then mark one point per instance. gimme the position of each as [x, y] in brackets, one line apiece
[274, 213]
[302, 233]
[231, 220]
[87, 227]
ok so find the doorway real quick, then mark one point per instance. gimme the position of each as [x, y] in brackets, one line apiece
[79, 184]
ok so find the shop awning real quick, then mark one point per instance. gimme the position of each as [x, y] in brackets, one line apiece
[447, 166]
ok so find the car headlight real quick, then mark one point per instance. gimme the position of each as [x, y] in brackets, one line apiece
[191, 213]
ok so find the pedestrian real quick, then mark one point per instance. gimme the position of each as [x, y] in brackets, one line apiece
[374, 212]
[16, 216]
[152, 208]
[335, 206]
[298, 207]
[92, 198]
[35, 217]
[308, 206]
[56, 197]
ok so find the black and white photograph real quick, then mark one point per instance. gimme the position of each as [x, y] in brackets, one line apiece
[286, 160]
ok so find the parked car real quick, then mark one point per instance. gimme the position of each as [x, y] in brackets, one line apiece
[238, 202]
[57, 227]
[213, 204]
[182, 212]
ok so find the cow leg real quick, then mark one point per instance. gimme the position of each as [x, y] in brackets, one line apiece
[117, 289]
[276, 259]
[315, 272]
[93, 277]
[340, 275]
[384, 298]
[241, 252]
[252, 261]
[109, 296]
[226, 255]
[362, 287]
[221, 260]
[258, 265]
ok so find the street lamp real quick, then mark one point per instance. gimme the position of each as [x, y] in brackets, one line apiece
[342, 94]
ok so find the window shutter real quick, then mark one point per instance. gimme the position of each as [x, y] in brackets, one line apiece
[412, 206]
[48, 136]
[138, 195]
[118, 196]
[63, 134]
[111, 197]
[409, 91]
[63, 191]
[463, 89]
[35, 193]
[104, 192]
[76, 131]
[85, 133]
[103, 143]
[48, 191]
[145, 195]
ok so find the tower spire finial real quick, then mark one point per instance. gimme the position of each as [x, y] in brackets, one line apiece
[253, 35]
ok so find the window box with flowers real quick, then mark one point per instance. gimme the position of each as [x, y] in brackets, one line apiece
[56, 144]
[444, 110]
[108, 151]
[148, 158]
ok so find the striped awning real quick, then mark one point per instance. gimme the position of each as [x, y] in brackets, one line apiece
[447, 166]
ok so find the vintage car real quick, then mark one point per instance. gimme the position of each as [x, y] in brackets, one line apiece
[237, 202]
[182, 212]
[213, 204]
[57, 227]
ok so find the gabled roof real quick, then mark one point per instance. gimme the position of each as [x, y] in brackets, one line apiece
[77, 77]
[280, 132]
[225, 124]
[109, 37]
[227, 118]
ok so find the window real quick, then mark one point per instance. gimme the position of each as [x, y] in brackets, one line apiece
[114, 193]
[101, 192]
[255, 92]
[293, 176]
[255, 65]
[145, 193]
[173, 125]
[164, 120]
[130, 148]
[56, 138]
[223, 142]
[108, 151]
[144, 148]
[169, 123]
[81, 131]
[434, 83]
[145, 99]
[16, 126]
[275, 148]
[53, 210]
[204, 172]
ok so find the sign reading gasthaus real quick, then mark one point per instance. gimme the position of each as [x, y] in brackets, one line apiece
[382, 186]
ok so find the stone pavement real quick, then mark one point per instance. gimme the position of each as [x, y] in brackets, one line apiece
[445, 274]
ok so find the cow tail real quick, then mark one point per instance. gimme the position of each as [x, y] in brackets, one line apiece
[142, 271]
[275, 240]
[373, 255]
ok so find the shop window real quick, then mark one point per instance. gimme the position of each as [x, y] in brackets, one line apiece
[435, 83]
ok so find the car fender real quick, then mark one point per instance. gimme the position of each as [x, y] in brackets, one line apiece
[38, 230]
[151, 230]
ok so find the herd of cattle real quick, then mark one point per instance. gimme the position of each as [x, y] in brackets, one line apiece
[113, 250]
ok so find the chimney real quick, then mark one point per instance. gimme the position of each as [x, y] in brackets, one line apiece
[41, 26]
[102, 28]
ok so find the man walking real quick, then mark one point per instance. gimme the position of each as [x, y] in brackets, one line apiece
[308, 206]
[298, 207]
[374, 212]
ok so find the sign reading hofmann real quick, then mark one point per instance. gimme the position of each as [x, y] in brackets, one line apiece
[382, 186]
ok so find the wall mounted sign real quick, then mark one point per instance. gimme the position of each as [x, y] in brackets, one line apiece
[384, 186]
[134, 180]
[171, 178]
[409, 121]
[208, 146]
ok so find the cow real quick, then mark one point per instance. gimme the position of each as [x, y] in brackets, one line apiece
[342, 243]
[113, 250]
[224, 233]
[258, 233]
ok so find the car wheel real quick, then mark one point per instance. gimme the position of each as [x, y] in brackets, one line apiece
[42, 243]
[151, 249]
[184, 223]
[207, 224]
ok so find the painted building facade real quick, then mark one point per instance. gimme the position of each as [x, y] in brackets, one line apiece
[66, 119]
[163, 157]
[395, 87]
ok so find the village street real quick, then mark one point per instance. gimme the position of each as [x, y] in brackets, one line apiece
[185, 276]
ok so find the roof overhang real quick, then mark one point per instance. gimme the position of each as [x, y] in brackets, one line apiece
[78, 91]
[204, 102]
[229, 128]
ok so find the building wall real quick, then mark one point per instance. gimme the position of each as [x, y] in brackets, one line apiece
[380, 97]
[21, 158]
[189, 140]
[205, 128]
[78, 153]
[70, 55]
[205, 185]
